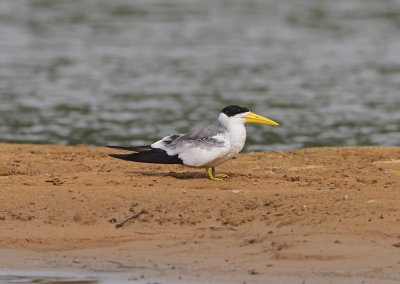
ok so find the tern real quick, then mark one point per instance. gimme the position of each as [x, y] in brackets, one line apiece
[206, 147]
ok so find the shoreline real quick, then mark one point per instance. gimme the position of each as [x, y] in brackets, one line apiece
[317, 214]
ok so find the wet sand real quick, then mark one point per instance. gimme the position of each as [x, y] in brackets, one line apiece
[318, 214]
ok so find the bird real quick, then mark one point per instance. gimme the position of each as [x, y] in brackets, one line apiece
[206, 147]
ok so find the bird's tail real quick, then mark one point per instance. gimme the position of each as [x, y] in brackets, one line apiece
[146, 154]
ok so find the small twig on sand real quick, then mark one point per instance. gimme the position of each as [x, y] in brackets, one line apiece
[119, 225]
[222, 229]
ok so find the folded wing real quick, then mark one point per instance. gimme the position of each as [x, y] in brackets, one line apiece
[196, 148]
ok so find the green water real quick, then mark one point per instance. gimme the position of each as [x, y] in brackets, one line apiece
[44, 278]
[129, 72]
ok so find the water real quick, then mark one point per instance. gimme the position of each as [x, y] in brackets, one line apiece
[50, 278]
[127, 72]
[68, 277]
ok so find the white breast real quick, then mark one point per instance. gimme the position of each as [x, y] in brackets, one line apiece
[235, 138]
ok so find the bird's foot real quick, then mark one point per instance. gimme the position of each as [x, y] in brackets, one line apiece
[215, 177]
[221, 176]
[218, 175]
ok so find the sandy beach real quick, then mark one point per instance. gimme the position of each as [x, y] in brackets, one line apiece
[305, 216]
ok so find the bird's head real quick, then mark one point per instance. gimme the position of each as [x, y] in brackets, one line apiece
[238, 114]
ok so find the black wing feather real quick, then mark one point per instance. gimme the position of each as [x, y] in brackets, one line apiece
[156, 156]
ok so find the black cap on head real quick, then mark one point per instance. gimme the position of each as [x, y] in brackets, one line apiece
[234, 110]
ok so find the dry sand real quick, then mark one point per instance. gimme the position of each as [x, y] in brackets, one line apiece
[319, 215]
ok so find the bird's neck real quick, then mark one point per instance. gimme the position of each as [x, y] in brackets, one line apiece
[237, 135]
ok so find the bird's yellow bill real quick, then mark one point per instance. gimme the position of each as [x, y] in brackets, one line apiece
[255, 118]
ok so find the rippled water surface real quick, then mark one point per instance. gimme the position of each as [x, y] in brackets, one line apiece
[127, 72]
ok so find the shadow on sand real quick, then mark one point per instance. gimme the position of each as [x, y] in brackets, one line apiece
[184, 175]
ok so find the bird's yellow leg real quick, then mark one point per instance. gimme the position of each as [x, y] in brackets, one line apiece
[210, 174]
[218, 175]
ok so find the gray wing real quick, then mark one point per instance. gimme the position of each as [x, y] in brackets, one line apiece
[206, 137]
[204, 133]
